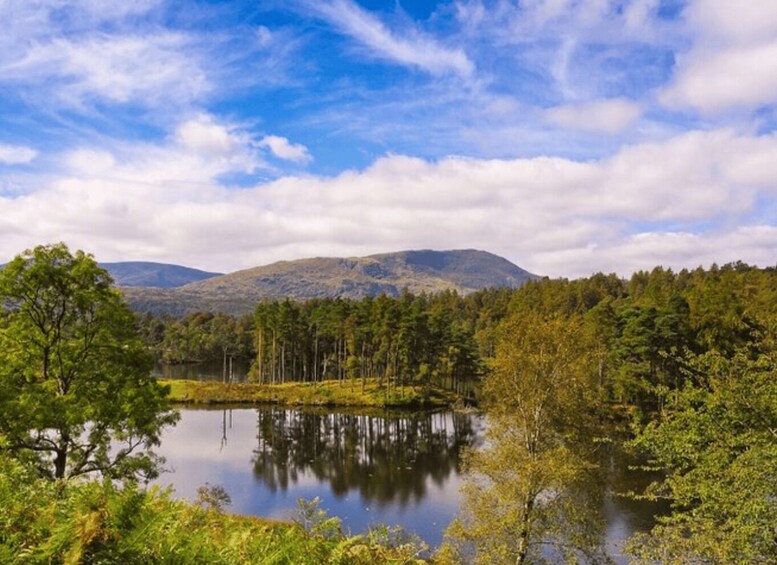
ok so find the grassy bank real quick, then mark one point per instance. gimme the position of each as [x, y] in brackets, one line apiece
[326, 393]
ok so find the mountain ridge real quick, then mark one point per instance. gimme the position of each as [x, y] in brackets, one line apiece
[152, 274]
[417, 271]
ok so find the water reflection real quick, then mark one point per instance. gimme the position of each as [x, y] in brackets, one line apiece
[391, 468]
[387, 468]
[623, 514]
[390, 458]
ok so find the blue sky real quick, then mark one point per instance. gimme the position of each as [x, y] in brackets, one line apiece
[570, 136]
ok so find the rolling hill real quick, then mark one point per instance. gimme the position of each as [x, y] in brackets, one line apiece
[391, 273]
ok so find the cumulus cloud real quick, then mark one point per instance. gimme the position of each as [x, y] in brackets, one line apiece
[714, 80]
[552, 216]
[412, 48]
[283, 149]
[205, 134]
[605, 116]
[16, 154]
[732, 62]
[199, 151]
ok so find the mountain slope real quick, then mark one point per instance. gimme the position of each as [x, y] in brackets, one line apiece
[160, 275]
[391, 273]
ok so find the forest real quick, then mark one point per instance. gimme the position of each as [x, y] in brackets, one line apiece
[643, 331]
[682, 366]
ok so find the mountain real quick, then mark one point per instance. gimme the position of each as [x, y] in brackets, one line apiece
[391, 273]
[159, 275]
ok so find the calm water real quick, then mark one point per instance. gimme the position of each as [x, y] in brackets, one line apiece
[389, 469]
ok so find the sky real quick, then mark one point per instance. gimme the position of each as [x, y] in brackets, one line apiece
[568, 136]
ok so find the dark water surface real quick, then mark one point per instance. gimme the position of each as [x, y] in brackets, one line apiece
[391, 468]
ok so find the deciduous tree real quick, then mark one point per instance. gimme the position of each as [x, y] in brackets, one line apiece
[521, 496]
[76, 395]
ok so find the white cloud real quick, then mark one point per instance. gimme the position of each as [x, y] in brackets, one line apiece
[204, 134]
[16, 154]
[605, 116]
[590, 49]
[715, 80]
[738, 22]
[733, 60]
[117, 69]
[599, 21]
[199, 151]
[89, 162]
[586, 12]
[110, 57]
[414, 49]
[551, 215]
[281, 148]
[678, 250]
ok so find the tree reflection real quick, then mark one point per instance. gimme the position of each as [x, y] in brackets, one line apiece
[387, 458]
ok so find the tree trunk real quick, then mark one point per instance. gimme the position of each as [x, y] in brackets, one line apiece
[523, 538]
[315, 359]
[60, 460]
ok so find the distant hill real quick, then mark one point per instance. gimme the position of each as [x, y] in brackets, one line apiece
[159, 275]
[416, 271]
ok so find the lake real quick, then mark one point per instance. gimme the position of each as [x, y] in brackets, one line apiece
[387, 468]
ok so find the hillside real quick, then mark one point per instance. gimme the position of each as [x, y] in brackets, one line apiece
[391, 273]
[159, 275]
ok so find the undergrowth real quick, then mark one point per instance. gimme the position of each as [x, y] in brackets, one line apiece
[100, 522]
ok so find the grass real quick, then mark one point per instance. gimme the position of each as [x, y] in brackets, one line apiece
[327, 393]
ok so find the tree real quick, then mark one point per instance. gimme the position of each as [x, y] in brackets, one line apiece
[717, 450]
[76, 395]
[521, 498]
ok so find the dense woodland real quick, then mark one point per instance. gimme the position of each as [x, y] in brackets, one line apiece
[642, 331]
[424, 340]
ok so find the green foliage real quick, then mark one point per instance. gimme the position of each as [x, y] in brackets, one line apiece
[692, 356]
[718, 448]
[202, 337]
[651, 351]
[76, 396]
